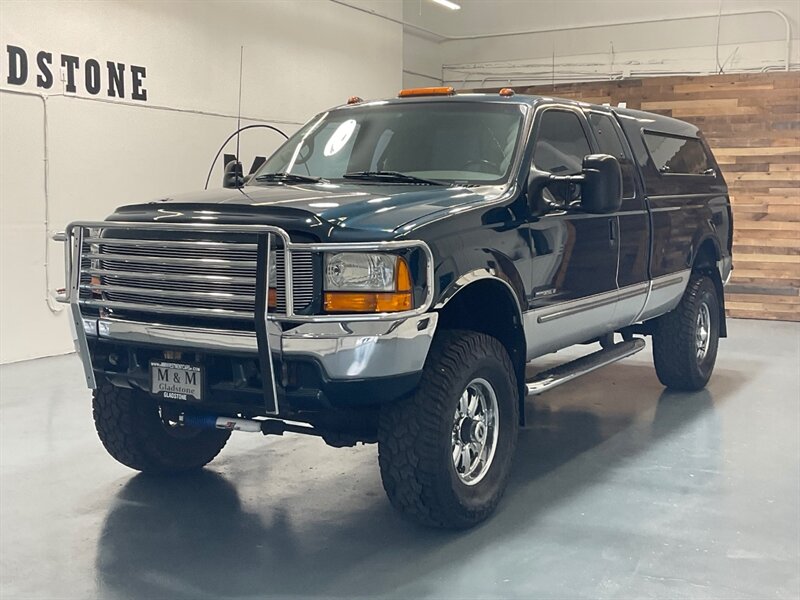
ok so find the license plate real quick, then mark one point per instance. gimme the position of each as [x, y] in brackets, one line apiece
[176, 381]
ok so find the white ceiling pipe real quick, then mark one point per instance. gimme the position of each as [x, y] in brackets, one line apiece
[49, 296]
[545, 77]
[454, 38]
[756, 11]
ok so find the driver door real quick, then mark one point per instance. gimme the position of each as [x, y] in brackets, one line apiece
[574, 271]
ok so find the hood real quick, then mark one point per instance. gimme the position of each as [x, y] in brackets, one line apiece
[379, 211]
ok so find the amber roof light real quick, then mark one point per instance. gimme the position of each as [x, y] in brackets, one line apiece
[355, 100]
[426, 91]
[507, 92]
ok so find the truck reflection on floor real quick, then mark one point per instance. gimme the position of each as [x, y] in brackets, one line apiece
[194, 537]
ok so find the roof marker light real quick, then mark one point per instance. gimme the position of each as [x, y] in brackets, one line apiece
[426, 91]
[507, 92]
[355, 100]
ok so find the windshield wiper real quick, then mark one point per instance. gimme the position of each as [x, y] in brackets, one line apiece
[389, 176]
[288, 178]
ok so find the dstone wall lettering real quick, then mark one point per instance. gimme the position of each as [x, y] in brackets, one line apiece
[113, 79]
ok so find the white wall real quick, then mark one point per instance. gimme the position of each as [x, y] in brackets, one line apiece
[686, 46]
[422, 62]
[300, 57]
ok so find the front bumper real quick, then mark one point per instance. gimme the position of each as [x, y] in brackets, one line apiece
[350, 362]
[343, 350]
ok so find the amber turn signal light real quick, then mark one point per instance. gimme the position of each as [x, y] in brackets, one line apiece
[403, 276]
[426, 91]
[96, 281]
[359, 302]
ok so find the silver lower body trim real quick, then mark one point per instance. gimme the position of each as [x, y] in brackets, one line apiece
[665, 294]
[344, 350]
[555, 327]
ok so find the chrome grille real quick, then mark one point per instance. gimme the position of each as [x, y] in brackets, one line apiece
[302, 280]
[203, 277]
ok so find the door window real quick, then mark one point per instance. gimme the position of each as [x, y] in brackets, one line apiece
[609, 142]
[561, 143]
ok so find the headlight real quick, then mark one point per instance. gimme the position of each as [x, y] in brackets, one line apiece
[367, 282]
[272, 274]
[352, 271]
[273, 268]
[94, 263]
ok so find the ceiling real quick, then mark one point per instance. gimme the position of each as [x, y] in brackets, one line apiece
[499, 16]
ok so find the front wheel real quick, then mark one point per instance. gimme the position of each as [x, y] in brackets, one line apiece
[140, 434]
[445, 454]
[686, 339]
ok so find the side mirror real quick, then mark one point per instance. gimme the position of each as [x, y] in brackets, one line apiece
[233, 177]
[601, 189]
[537, 182]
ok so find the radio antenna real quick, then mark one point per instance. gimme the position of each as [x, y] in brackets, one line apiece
[239, 111]
[236, 133]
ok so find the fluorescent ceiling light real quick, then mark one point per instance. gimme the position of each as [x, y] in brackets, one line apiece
[448, 4]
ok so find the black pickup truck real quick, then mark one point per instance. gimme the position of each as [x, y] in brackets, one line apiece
[386, 276]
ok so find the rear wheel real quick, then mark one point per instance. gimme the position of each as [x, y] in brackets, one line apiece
[686, 339]
[142, 435]
[445, 454]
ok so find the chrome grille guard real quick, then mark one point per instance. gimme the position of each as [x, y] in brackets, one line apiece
[80, 233]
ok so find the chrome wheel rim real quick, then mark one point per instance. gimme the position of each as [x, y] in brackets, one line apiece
[475, 429]
[703, 332]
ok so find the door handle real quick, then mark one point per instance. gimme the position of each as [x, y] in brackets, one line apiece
[612, 231]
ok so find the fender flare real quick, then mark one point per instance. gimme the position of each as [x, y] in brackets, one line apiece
[716, 276]
[488, 274]
[470, 278]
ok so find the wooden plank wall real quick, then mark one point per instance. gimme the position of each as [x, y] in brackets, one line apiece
[752, 122]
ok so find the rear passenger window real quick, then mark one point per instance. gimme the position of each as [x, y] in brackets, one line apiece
[609, 142]
[561, 143]
[677, 155]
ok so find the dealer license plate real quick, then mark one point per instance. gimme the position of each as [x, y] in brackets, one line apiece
[176, 381]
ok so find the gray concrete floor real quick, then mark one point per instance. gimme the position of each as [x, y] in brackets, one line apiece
[619, 490]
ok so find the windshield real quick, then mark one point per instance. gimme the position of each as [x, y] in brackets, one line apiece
[450, 142]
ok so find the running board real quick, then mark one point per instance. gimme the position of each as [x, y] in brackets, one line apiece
[554, 377]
